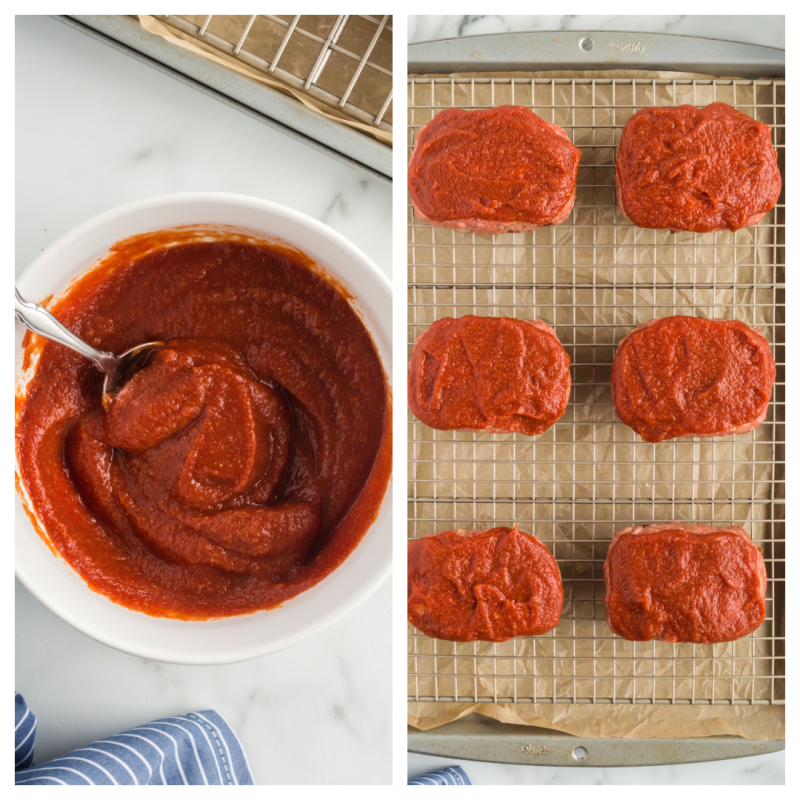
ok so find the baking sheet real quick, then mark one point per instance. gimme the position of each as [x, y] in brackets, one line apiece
[593, 278]
[232, 31]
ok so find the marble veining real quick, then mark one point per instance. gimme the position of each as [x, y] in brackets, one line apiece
[763, 30]
[95, 129]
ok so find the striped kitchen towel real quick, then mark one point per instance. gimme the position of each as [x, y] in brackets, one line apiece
[449, 776]
[195, 749]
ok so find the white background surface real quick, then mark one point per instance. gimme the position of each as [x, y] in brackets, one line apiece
[764, 30]
[768, 31]
[95, 129]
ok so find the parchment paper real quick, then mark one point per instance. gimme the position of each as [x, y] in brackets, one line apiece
[612, 720]
[593, 278]
[186, 42]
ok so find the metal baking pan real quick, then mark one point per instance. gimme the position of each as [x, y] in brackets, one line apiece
[249, 96]
[454, 274]
[477, 738]
[573, 50]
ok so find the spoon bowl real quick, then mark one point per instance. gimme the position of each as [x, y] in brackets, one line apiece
[128, 363]
[117, 369]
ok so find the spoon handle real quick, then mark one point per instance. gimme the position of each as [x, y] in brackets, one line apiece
[41, 321]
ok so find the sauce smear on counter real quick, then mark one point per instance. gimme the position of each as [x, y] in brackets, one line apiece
[238, 468]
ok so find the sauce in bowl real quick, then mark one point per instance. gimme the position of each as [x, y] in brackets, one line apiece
[243, 463]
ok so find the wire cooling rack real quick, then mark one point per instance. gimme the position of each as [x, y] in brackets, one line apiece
[593, 278]
[344, 61]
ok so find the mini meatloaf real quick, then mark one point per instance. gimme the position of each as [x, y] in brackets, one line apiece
[685, 376]
[696, 169]
[492, 171]
[681, 582]
[492, 374]
[489, 585]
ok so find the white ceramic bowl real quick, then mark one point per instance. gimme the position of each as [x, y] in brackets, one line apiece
[53, 582]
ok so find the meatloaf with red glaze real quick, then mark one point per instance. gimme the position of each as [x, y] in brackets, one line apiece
[696, 169]
[685, 376]
[682, 582]
[492, 374]
[489, 585]
[492, 171]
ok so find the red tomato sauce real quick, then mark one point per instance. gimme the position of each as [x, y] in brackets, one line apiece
[243, 463]
[687, 376]
[494, 374]
[490, 585]
[501, 164]
[682, 586]
[696, 169]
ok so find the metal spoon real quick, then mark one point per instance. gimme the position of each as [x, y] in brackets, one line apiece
[117, 369]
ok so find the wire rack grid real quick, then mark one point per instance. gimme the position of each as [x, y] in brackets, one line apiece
[593, 278]
[344, 61]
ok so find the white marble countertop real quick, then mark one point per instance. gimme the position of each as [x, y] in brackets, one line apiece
[757, 770]
[762, 30]
[769, 31]
[95, 129]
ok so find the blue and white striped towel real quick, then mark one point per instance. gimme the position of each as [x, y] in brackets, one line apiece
[195, 749]
[449, 776]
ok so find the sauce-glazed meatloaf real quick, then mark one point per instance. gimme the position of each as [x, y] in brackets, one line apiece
[682, 582]
[685, 376]
[492, 171]
[696, 169]
[492, 374]
[489, 585]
